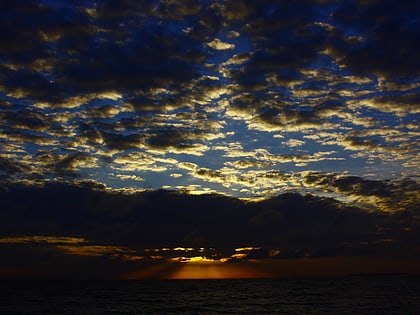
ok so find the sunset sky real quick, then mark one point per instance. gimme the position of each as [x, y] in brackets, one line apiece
[190, 139]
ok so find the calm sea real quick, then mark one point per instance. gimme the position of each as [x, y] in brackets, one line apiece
[342, 295]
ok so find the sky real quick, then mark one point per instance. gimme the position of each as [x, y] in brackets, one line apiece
[196, 138]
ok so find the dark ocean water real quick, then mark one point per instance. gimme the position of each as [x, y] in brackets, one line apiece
[341, 295]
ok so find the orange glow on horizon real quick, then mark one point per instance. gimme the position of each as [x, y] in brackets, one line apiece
[301, 267]
[216, 270]
[198, 268]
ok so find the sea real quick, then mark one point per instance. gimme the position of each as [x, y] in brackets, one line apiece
[358, 294]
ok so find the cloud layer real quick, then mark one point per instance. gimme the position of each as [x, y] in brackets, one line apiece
[318, 99]
[62, 223]
[312, 83]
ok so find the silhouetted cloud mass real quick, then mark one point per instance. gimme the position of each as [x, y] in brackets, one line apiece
[286, 128]
[137, 230]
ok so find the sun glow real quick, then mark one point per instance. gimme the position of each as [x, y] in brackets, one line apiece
[216, 270]
[204, 268]
[195, 259]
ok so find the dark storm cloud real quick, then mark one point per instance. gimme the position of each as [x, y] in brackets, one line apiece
[289, 222]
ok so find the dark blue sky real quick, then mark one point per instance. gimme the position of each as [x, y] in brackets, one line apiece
[248, 99]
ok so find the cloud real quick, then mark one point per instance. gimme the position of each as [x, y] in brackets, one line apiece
[293, 142]
[137, 161]
[381, 42]
[402, 105]
[9, 167]
[249, 164]
[176, 138]
[71, 163]
[96, 223]
[240, 98]
[71, 67]
[151, 77]
[387, 196]
[220, 45]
